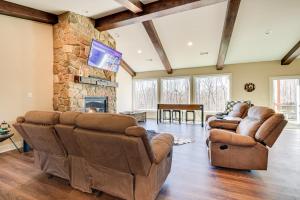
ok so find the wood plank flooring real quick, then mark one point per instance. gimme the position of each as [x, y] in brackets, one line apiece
[192, 177]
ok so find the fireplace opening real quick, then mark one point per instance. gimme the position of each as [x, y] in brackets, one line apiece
[96, 104]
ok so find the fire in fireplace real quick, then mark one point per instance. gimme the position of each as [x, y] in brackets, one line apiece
[96, 104]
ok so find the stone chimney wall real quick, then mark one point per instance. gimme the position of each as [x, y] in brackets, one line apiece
[72, 39]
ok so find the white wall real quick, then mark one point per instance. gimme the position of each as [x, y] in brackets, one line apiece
[124, 91]
[26, 60]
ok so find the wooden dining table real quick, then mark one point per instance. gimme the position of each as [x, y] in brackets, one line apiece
[186, 107]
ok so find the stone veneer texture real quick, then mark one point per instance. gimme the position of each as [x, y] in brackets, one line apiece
[72, 39]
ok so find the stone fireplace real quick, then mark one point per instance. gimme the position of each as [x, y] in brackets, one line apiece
[72, 39]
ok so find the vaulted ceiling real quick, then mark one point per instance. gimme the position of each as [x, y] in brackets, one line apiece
[264, 30]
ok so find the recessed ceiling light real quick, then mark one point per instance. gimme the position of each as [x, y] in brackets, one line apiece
[203, 53]
[139, 51]
[190, 43]
[268, 32]
[117, 35]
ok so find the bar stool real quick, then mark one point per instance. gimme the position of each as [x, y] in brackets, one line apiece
[186, 116]
[165, 115]
[176, 118]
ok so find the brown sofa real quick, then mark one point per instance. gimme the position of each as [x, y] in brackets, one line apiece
[230, 121]
[247, 146]
[107, 152]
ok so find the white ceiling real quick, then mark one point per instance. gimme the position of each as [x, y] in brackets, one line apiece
[89, 8]
[131, 39]
[203, 27]
[175, 31]
[256, 17]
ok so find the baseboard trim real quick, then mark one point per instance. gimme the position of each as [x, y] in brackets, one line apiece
[10, 146]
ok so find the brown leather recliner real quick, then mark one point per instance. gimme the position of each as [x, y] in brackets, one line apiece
[37, 128]
[247, 146]
[79, 176]
[121, 160]
[230, 121]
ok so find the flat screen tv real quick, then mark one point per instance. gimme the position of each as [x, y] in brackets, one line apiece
[104, 57]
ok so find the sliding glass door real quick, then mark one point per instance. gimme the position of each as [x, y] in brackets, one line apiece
[286, 97]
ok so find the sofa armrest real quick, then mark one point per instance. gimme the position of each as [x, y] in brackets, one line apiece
[228, 137]
[161, 145]
[20, 119]
[228, 123]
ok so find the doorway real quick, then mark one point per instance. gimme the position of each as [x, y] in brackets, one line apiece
[286, 97]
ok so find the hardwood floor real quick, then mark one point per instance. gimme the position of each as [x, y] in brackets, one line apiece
[192, 177]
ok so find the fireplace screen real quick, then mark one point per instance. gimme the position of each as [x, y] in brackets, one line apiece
[96, 104]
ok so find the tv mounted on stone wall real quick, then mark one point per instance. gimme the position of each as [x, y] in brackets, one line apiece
[104, 57]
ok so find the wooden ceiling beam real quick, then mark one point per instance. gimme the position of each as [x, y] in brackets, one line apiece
[134, 6]
[127, 68]
[291, 55]
[231, 14]
[15, 10]
[150, 11]
[150, 29]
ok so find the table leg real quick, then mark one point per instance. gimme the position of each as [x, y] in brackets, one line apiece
[160, 115]
[157, 116]
[202, 116]
[15, 145]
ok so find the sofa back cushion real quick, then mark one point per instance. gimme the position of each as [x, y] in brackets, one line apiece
[39, 127]
[113, 141]
[256, 117]
[42, 117]
[239, 110]
[65, 131]
[270, 130]
[114, 151]
[105, 122]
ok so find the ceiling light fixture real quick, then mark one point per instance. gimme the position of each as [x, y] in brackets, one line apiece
[139, 51]
[203, 53]
[190, 43]
[117, 35]
[268, 32]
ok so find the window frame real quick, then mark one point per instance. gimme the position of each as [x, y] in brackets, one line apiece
[211, 75]
[133, 93]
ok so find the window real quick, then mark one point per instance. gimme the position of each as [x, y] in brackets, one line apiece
[145, 94]
[175, 90]
[212, 91]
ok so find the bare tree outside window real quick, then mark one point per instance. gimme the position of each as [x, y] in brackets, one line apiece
[212, 92]
[175, 90]
[145, 94]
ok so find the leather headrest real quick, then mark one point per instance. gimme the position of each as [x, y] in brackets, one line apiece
[240, 107]
[260, 113]
[269, 126]
[105, 122]
[42, 117]
[68, 118]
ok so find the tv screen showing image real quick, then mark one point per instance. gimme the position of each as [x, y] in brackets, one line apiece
[104, 57]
